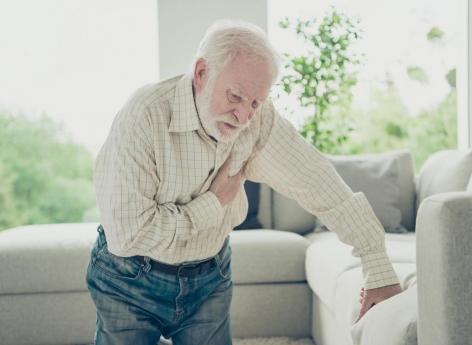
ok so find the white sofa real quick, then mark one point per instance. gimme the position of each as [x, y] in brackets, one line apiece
[288, 280]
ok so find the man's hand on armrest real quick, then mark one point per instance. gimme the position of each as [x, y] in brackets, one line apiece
[371, 297]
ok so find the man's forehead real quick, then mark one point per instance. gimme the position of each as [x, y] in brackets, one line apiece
[256, 91]
[250, 77]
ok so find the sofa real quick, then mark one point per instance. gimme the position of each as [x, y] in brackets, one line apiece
[292, 277]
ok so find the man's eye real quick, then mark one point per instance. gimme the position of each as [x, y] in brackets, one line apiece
[234, 98]
[255, 104]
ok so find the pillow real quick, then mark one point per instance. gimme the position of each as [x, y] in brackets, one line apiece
[252, 192]
[378, 177]
[444, 171]
[287, 215]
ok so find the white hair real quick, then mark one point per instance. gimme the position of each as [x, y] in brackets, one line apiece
[225, 39]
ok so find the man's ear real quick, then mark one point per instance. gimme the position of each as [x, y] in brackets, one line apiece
[200, 75]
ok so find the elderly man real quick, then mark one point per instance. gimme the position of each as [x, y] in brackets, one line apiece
[169, 183]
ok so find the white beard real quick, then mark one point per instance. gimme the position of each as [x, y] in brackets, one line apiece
[208, 120]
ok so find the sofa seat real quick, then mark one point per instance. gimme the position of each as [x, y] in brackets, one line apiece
[330, 264]
[54, 257]
[335, 278]
[251, 248]
[50, 257]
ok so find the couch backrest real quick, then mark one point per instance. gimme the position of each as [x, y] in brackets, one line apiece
[279, 212]
[444, 171]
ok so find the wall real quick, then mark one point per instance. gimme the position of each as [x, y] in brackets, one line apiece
[182, 23]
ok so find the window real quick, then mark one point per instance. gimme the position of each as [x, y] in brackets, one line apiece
[66, 68]
[405, 95]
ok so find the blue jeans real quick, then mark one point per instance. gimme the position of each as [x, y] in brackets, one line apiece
[136, 304]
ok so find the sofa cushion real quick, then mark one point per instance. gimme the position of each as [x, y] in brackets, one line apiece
[444, 171]
[336, 278]
[387, 180]
[54, 257]
[45, 258]
[327, 259]
[253, 248]
[380, 177]
[288, 215]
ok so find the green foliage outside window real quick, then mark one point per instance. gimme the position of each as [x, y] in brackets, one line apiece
[45, 178]
[323, 77]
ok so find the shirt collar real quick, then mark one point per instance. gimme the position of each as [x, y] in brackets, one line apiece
[184, 116]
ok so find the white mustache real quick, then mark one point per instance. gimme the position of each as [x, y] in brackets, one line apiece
[229, 118]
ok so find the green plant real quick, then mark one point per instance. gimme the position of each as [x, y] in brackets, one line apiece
[323, 77]
[44, 176]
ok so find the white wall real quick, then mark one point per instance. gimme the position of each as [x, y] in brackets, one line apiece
[182, 24]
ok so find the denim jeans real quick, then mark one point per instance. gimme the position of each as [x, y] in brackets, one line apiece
[136, 304]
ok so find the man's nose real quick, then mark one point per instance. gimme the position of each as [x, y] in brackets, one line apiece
[244, 114]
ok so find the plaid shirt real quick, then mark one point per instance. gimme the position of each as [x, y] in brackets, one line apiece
[154, 171]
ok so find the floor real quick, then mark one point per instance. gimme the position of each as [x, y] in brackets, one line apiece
[261, 341]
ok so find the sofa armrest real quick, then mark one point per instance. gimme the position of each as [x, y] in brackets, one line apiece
[444, 260]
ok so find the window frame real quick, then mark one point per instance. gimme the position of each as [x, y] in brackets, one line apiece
[464, 80]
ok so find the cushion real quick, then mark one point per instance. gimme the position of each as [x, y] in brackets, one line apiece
[444, 171]
[377, 176]
[251, 248]
[327, 259]
[335, 276]
[288, 215]
[386, 179]
[337, 282]
[46, 257]
[252, 192]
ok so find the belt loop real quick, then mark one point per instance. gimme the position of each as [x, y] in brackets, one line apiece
[147, 264]
[101, 236]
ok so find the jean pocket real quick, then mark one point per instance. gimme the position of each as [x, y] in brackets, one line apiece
[124, 268]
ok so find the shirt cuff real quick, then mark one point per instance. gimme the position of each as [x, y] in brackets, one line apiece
[378, 270]
[205, 211]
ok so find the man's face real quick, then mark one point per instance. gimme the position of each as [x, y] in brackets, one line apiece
[227, 104]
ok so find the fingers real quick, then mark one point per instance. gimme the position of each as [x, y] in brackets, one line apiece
[366, 305]
[226, 164]
[364, 308]
[361, 294]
